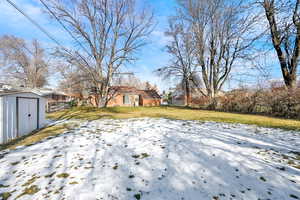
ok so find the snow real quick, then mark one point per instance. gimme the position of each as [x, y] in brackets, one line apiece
[156, 159]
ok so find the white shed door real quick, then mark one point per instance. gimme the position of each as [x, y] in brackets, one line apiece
[27, 119]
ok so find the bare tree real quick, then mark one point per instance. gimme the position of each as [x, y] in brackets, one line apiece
[284, 26]
[110, 31]
[223, 33]
[182, 64]
[128, 79]
[22, 62]
[73, 81]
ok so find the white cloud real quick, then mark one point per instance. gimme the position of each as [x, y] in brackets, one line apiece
[160, 38]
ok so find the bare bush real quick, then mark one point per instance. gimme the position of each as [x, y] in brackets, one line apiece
[277, 102]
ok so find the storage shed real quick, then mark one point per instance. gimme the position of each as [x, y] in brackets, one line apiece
[20, 114]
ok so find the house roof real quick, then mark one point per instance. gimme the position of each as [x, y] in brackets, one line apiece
[150, 94]
[146, 94]
[123, 89]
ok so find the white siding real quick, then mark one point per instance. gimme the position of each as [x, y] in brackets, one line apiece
[1, 121]
[9, 115]
[42, 116]
[9, 118]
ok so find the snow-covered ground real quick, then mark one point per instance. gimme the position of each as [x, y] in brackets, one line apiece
[156, 159]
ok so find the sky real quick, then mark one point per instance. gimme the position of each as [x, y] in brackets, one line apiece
[151, 57]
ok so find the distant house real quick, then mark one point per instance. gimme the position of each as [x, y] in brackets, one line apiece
[51, 95]
[130, 97]
[149, 98]
[55, 100]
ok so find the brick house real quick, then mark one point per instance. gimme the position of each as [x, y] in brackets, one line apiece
[131, 97]
[149, 98]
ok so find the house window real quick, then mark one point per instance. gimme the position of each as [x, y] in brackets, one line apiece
[126, 99]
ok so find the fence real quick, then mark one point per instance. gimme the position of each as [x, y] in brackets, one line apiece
[56, 106]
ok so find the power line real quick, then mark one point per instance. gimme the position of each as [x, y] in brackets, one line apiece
[66, 29]
[48, 34]
[35, 23]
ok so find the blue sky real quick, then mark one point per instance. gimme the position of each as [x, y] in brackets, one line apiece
[151, 56]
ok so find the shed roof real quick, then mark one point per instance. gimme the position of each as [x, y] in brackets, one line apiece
[45, 92]
[12, 92]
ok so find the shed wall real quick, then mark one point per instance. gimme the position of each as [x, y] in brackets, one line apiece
[1, 120]
[9, 118]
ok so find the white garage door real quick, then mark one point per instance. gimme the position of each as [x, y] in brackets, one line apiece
[27, 115]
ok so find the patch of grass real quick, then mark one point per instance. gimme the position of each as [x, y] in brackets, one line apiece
[91, 113]
[144, 155]
[49, 175]
[291, 162]
[63, 175]
[263, 179]
[30, 181]
[297, 166]
[35, 137]
[116, 166]
[57, 156]
[4, 186]
[294, 196]
[131, 176]
[15, 163]
[285, 156]
[135, 156]
[5, 195]
[29, 191]
[137, 196]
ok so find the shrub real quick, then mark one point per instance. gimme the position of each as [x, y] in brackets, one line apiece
[278, 102]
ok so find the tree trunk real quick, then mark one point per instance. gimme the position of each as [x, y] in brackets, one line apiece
[290, 79]
[288, 67]
[187, 93]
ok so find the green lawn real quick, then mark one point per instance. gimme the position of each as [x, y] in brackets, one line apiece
[91, 113]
